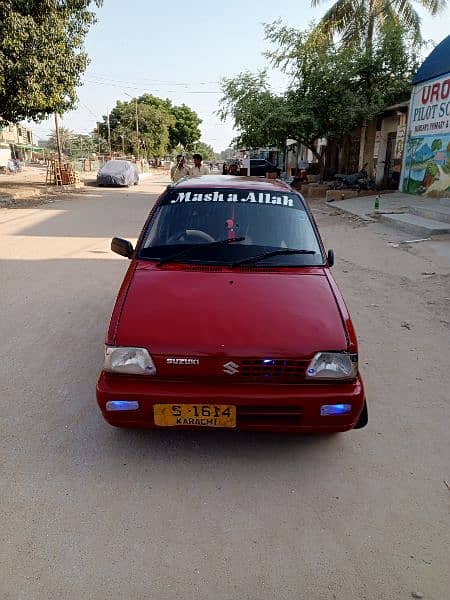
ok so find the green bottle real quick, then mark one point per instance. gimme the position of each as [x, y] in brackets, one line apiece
[377, 202]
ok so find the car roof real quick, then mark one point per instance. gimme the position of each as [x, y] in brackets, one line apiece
[233, 182]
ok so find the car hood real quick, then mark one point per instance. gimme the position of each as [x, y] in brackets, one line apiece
[190, 312]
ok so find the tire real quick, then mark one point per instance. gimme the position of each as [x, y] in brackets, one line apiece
[363, 417]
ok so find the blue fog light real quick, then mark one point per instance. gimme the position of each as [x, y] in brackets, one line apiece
[112, 405]
[268, 361]
[334, 409]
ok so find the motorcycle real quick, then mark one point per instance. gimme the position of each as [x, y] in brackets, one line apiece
[354, 181]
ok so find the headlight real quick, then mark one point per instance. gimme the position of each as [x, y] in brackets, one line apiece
[333, 365]
[134, 361]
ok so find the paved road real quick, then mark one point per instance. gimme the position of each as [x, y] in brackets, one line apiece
[91, 512]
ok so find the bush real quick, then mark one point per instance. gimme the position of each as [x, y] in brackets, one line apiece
[432, 169]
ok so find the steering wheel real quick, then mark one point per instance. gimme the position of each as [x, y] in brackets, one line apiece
[195, 234]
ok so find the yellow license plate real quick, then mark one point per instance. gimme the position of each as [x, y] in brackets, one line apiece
[195, 415]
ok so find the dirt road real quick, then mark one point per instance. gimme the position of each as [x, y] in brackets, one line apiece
[90, 512]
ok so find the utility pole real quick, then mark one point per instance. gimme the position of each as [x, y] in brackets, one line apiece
[58, 139]
[137, 129]
[109, 136]
[98, 137]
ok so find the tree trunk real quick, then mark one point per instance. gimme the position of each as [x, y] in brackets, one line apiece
[322, 167]
[321, 160]
[369, 50]
[362, 145]
[297, 152]
[370, 29]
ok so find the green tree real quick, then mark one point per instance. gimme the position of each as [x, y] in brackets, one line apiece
[336, 88]
[41, 55]
[154, 125]
[360, 22]
[436, 145]
[65, 136]
[258, 114]
[154, 121]
[162, 126]
[432, 169]
[185, 132]
[205, 150]
[82, 146]
[333, 88]
[412, 146]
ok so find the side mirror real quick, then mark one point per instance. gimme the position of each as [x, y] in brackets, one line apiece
[330, 258]
[122, 247]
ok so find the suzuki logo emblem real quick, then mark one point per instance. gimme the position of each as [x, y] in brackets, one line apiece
[231, 368]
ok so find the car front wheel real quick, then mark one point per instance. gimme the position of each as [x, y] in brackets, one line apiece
[363, 417]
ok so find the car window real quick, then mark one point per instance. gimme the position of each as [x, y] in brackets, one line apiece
[267, 220]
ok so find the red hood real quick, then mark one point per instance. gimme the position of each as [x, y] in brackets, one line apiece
[179, 312]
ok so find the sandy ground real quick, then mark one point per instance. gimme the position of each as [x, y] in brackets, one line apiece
[28, 188]
[91, 512]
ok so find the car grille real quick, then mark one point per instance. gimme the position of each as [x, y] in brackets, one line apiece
[276, 370]
[235, 370]
[269, 415]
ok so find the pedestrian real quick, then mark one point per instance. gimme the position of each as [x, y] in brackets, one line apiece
[199, 168]
[179, 170]
[224, 169]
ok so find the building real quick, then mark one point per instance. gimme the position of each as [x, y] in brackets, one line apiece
[376, 147]
[19, 140]
[426, 161]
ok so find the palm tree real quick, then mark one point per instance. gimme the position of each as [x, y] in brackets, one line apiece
[65, 136]
[358, 20]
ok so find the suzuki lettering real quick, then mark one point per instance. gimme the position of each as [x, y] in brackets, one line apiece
[183, 361]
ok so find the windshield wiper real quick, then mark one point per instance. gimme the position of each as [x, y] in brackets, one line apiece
[263, 255]
[187, 250]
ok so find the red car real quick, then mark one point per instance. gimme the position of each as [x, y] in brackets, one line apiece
[228, 317]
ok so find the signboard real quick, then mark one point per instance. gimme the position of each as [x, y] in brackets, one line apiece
[430, 108]
[426, 163]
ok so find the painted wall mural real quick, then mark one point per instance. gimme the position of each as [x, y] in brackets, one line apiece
[426, 167]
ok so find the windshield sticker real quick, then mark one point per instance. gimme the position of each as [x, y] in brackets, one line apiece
[252, 197]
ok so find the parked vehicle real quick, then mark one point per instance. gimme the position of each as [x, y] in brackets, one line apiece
[118, 173]
[228, 317]
[355, 181]
[13, 166]
[259, 167]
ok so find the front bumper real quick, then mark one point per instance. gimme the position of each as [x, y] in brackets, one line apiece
[283, 408]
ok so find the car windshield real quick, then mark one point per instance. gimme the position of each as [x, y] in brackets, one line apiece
[188, 221]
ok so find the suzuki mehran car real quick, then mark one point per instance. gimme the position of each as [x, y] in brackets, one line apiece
[228, 317]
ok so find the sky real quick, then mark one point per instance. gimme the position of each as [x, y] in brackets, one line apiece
[181, 50]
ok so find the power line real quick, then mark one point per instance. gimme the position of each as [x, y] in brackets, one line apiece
[146, 80]
[89, 109]
[139, 87]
